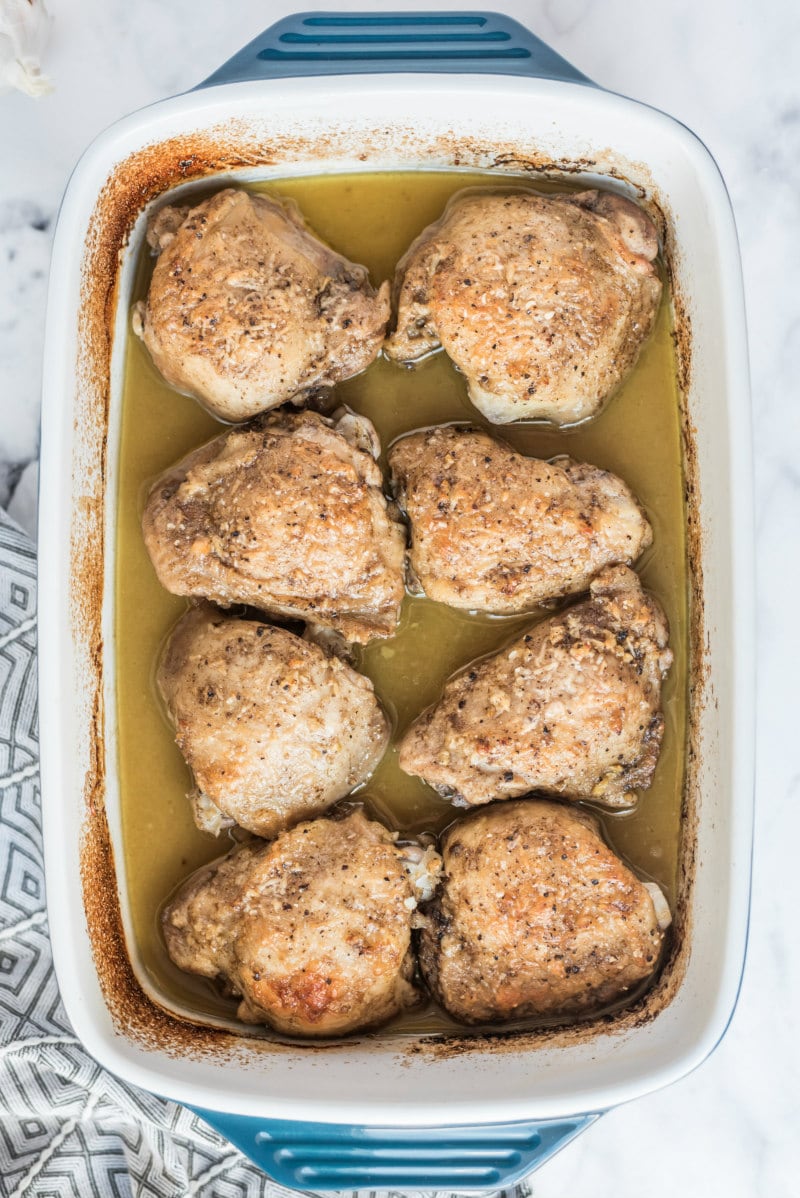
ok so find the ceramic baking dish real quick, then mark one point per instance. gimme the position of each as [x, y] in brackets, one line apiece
[321, 93]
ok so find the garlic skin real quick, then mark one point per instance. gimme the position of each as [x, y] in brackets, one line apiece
[24, 30]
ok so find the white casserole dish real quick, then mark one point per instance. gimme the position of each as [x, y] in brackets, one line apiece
[419, 103]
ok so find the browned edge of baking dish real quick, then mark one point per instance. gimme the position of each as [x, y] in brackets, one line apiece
[134, 183]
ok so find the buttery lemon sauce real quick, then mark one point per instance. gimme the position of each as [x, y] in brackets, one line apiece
[372, 218]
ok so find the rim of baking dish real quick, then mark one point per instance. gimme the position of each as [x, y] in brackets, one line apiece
[67, 725]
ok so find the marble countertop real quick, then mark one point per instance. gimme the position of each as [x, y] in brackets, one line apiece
[729, 70]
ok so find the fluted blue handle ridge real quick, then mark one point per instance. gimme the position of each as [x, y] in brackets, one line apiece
[331, 43]
[321, 1156]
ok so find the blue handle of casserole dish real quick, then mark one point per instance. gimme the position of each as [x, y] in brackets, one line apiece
[322, 1156]
[331, 43]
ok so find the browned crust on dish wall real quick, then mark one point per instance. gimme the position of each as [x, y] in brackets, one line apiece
[145, 175]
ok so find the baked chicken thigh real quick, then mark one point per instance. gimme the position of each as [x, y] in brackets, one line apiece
[248, 309]
[313, 930]
[273, 728]
[535, 915]
[493, 530]
[543, 301]
[287, 515]
[572, 707]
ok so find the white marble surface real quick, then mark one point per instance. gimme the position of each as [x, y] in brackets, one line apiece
[731, 71]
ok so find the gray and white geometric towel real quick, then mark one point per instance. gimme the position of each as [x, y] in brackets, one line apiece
[66, 1126]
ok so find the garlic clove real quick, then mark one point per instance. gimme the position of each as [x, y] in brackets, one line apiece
[24, 30]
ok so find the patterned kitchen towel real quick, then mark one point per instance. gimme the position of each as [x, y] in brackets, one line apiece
[66, 1126]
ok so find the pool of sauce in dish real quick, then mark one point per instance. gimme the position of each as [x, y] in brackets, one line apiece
[372, 218]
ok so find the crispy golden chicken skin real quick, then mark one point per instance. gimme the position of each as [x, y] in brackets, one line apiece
[287, 515]
[572, 707]
[493, 530]
[313, 930]
[248, 309]
[535, 915]
[543, 301]
[273, 728]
